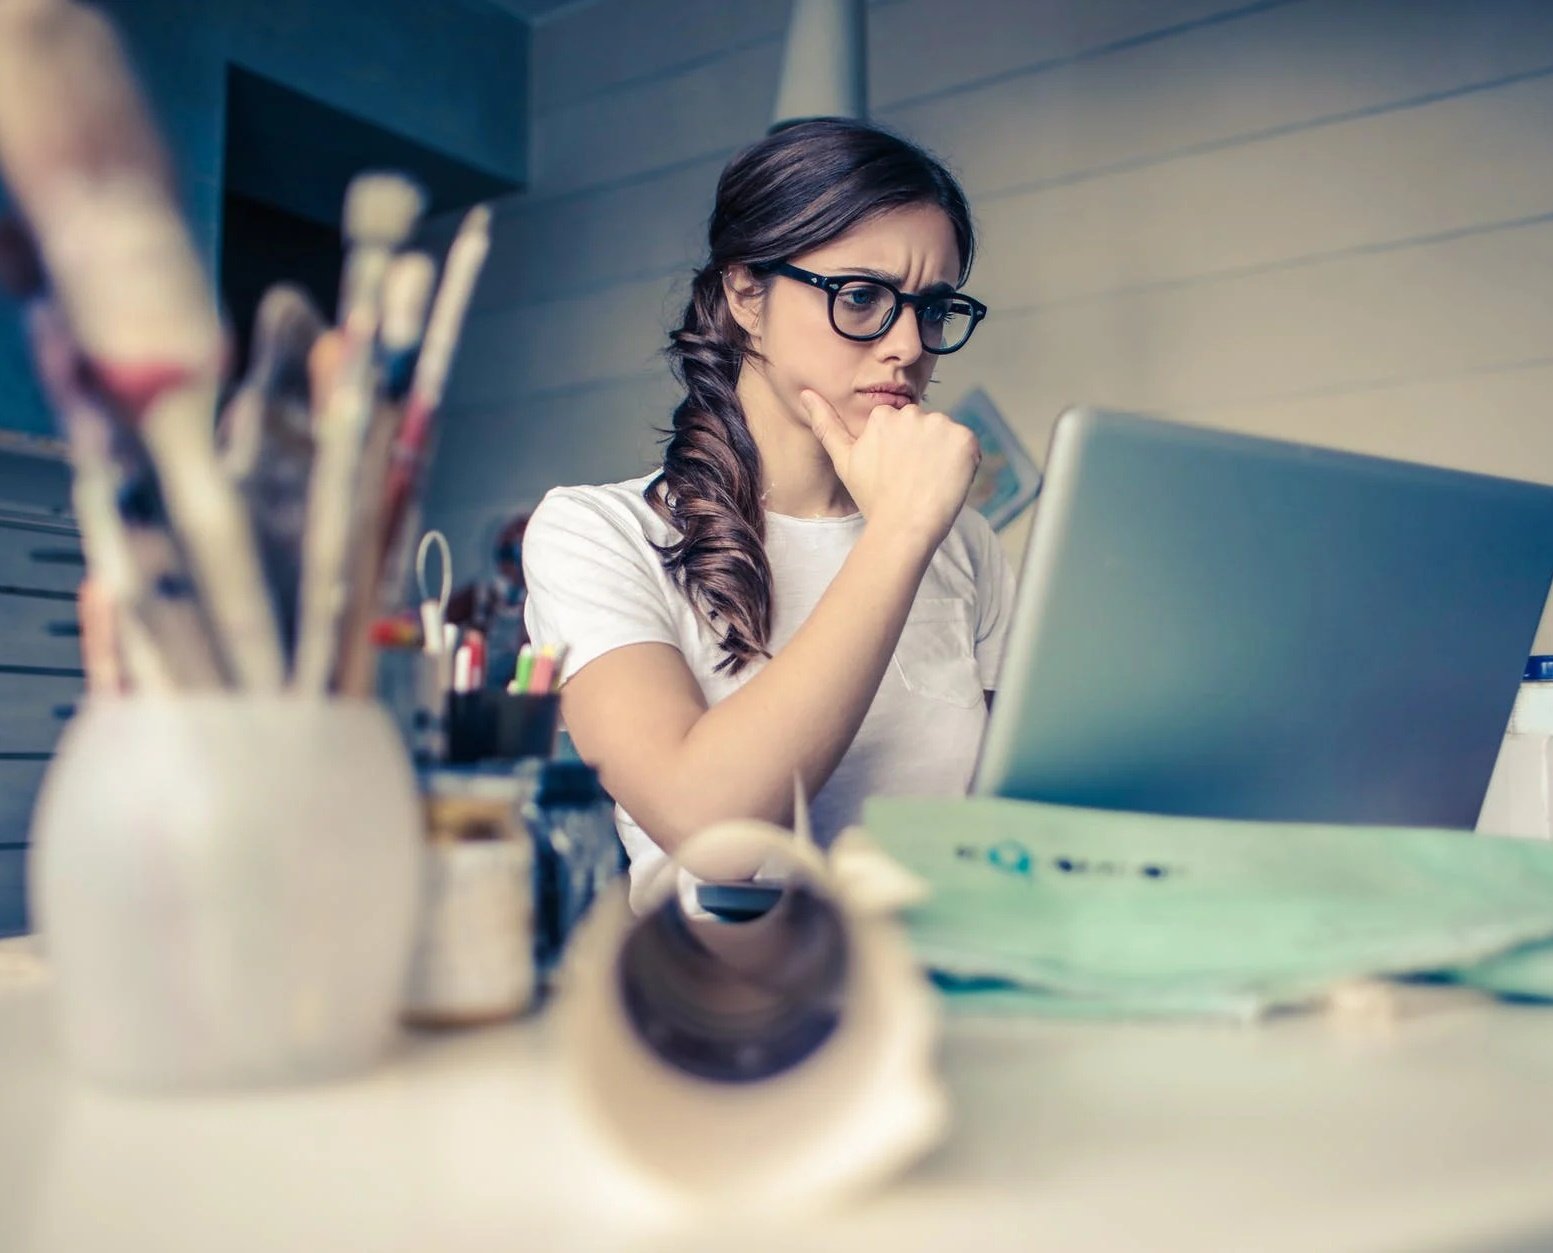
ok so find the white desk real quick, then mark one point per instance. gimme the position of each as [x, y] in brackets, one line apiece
[1295, 1135]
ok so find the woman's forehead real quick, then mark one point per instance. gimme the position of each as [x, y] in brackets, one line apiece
[915, 246]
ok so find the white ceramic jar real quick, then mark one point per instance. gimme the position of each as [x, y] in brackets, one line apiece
[226, 888]
[473, 960]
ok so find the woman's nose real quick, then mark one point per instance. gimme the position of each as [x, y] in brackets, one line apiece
[903, 341]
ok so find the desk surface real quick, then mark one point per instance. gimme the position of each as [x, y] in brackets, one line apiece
[1299, 1134]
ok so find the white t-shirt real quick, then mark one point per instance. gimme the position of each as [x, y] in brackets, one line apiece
[596, 584]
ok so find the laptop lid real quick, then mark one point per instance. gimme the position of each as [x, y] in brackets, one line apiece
[1217, 624]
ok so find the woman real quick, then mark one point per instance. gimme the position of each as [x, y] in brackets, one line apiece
[800, 588]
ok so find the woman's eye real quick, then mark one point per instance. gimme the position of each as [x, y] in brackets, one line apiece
[860, 297]
[937, 314]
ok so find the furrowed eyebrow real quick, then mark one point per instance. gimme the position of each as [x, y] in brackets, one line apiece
[896, 280]
[870, 272]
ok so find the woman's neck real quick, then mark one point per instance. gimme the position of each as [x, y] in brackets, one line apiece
[798, 478]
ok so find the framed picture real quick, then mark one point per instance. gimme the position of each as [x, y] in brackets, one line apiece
[1007, 479]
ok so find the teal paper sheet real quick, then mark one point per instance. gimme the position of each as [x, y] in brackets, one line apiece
[1090, 912]
[1523, 973]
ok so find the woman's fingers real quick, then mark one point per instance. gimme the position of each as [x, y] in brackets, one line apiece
[825, 422]
[910, 467]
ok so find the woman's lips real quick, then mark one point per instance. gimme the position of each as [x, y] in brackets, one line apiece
[896, 400]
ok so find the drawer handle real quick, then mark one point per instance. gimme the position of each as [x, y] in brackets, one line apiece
[64, 712]
[58, 556]
[63, 630]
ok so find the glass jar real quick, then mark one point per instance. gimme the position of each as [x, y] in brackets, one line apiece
[577, 852]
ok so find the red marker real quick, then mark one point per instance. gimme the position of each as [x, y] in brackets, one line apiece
[474, 641]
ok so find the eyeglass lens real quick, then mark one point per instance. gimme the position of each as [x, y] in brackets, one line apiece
[861, 309]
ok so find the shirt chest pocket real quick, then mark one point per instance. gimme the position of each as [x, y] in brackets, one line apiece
[936, 657]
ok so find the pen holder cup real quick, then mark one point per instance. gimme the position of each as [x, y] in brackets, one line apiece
[226, 888]
[489, 724]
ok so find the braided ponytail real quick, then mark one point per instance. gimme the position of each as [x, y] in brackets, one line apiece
[711, 479]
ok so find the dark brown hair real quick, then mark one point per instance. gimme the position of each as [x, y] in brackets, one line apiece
[795, 190]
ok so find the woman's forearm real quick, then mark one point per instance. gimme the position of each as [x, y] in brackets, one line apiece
[801, 712]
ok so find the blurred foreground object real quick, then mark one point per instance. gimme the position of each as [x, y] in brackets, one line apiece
[776, 1053]
[224, 873]
[226, 886]
[263, 562]
[81, 157]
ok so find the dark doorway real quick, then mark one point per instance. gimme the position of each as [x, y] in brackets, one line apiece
[262, 245]
[288, 159]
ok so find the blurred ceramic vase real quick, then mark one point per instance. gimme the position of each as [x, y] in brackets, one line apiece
[226, 888]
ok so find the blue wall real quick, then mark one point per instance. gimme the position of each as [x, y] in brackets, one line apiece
[449, 74]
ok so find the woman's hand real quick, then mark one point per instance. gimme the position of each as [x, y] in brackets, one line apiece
[910, 469]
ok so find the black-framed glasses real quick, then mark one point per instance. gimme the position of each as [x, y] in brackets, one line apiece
[864, 308]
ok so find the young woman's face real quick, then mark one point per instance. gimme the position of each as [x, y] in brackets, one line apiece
[913, 248]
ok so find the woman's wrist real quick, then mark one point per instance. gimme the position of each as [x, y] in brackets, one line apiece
[906, 542]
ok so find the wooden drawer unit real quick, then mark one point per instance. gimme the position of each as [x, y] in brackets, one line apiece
[20, 779]
[13, 891]
[34, 709]
[41, 566]
[38, 556]
[40, 630]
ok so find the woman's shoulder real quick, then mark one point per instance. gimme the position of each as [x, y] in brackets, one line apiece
[971, 555]
[971, 535]
[600, 509]
[972, 526]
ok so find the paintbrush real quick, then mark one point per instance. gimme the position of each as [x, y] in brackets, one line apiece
[112, 581]
[406, 294]
[130, 545]
[380, 212]
[266, 442]
[417, 433]
[139, 572]
[84, 163]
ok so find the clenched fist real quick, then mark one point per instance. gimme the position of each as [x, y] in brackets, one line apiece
[910, 469]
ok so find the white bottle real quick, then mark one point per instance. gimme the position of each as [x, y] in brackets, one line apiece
[1520, 793]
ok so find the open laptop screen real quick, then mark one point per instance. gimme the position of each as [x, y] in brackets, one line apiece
[1216, 624]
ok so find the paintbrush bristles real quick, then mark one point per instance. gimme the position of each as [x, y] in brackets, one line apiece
[286, 326]
[381, 209]
[406, 295]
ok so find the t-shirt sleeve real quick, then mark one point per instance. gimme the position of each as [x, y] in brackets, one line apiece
[994, 604]
[592, 583]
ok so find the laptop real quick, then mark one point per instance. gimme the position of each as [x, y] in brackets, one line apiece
[1221, 625]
